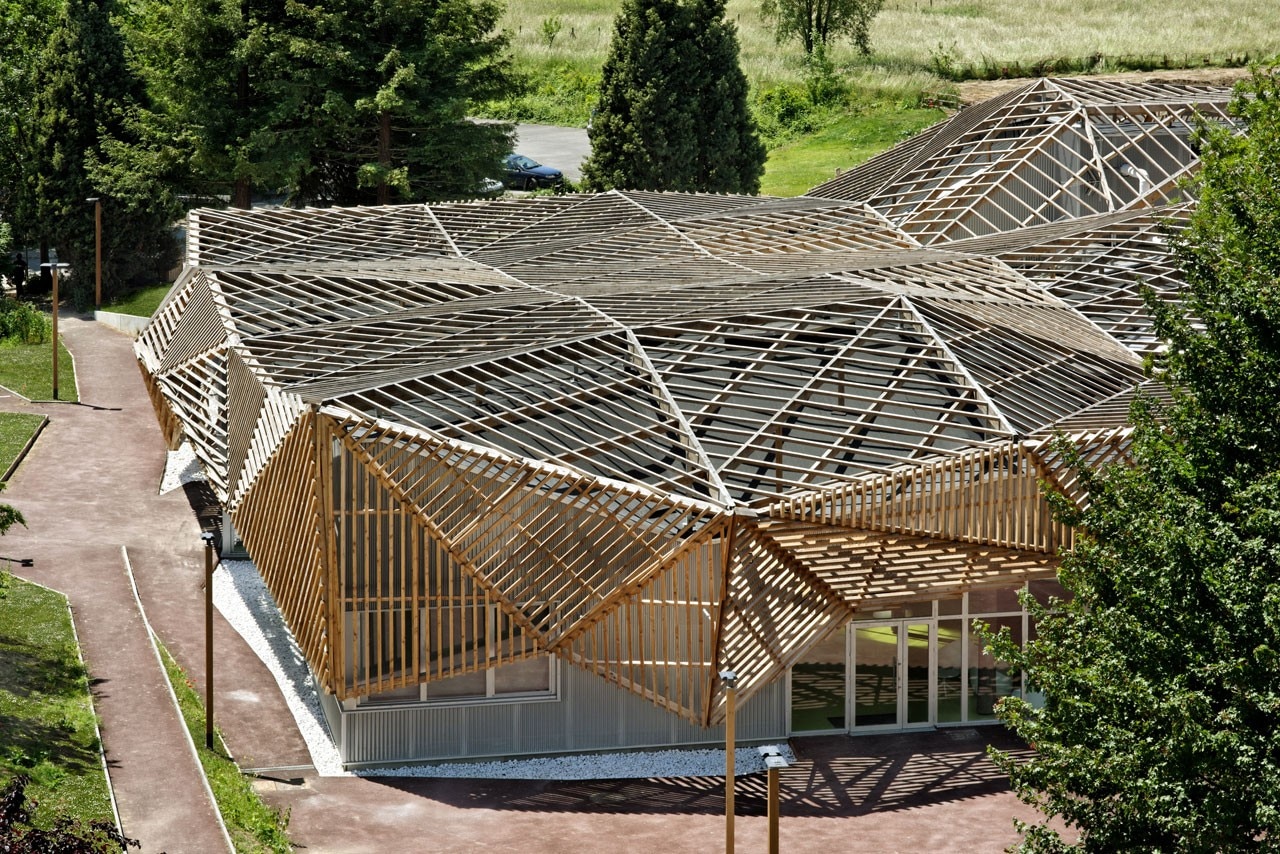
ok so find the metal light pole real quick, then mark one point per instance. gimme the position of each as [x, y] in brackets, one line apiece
[97, 251]
[730, 680]
[208, 639]
[55, 269]
[774, 761]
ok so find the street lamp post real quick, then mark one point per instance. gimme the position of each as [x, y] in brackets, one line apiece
[208, 638]
[730, 680]
[55, 269]
[97, 251]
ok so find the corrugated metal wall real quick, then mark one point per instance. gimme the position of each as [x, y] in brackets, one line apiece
[590, 714]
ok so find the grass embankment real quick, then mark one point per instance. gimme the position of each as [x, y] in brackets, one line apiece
[46, 716]
[16, 429]
[798, 166]
[254, 826]
[140, 303]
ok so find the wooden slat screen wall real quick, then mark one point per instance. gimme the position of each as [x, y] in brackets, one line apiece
[874, 569]
[245, 399]
[775, 609]
[536, 533]
[199, 328]
[153, 342]
[170, 424]
[198, 396]
[282, 522]
[988, 496]
[1097, 448]
[411, 612]
[276, 416]
[659, 637]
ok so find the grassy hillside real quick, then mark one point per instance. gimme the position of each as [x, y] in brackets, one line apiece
[919, 48]
[913, 38]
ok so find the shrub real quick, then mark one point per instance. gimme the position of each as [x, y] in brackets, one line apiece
[21, 322]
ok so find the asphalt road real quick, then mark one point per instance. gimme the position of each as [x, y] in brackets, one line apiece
[559, 147]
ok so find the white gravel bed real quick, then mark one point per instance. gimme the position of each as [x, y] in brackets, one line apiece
[243, 599]
[181, 468]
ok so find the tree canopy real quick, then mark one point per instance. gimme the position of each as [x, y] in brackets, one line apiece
[820, 22]
[1160, 727]
[673, 104]
[342, 103]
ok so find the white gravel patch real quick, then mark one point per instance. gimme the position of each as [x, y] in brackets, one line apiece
[242, 597]
[244, 600]
[180, 468]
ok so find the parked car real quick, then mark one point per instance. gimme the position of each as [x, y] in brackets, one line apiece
[525, 173]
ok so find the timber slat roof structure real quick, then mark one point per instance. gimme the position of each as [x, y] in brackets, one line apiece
[1052, 150]
[659, 434]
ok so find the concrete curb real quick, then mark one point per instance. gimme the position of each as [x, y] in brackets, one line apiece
[191, 745]
[129, 324]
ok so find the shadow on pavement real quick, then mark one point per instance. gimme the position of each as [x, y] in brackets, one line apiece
[834, 776]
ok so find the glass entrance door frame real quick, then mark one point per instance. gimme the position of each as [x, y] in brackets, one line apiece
[911, 644]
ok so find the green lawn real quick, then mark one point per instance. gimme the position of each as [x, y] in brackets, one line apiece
[254, 826]
[28, 370]
[46, 717]
[796, 167]
[141, 303]
[16, 428]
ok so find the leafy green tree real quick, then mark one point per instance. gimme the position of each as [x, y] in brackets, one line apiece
[88, 143]
[673, 104]
[1160, 727]
[9, 516]
[820, 22]
[24, 30]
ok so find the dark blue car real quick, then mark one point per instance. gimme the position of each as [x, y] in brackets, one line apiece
[525, 173]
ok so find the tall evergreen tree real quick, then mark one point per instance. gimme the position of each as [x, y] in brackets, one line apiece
[673, 104]
[87, 128]
[1160, 729]
[24, 30]
[345, 102]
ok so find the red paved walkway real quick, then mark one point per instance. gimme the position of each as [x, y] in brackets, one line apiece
[88, 488]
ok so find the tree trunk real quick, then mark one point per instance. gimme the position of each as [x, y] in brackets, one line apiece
[384, 157]
[242, 197]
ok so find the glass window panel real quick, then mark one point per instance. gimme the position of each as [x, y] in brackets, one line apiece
[989, 678]
[875, 691]
[994, 600]
[455, 687]
[917, 673]
[946, 607]
[818, 686]
[950, 662]
[523, 677]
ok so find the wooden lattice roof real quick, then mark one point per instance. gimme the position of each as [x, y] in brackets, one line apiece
[655, 433]
[1054, 149]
